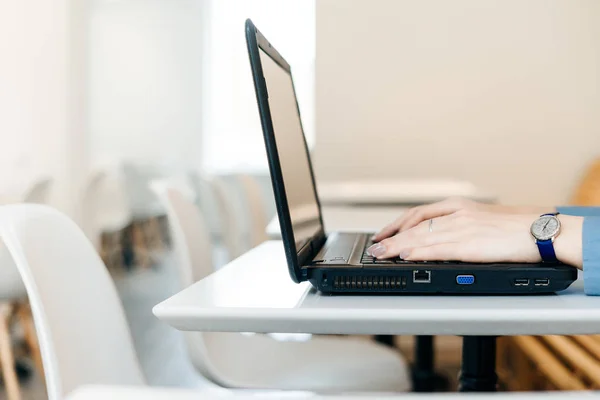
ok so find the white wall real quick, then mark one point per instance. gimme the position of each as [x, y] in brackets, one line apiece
[42, 117]
[503, 93]
[145, 60]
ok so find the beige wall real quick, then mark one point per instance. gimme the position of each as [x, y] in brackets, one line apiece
[504, 93]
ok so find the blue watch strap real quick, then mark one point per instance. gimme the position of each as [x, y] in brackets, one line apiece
[546, 248]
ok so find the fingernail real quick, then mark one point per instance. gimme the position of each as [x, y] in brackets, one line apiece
[376, 250]
[404, 254]
[373, 237]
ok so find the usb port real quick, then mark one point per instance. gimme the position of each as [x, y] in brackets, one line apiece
[541, 282]
[421, 276]
[521, 282]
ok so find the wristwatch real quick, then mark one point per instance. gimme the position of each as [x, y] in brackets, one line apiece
[544, 230]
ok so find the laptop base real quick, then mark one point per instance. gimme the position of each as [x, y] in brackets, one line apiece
[496, 279]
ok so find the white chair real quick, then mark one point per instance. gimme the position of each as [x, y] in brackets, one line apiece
[206, 200]
[212, 199]
[145, 209]
[232, 216]
[84, 336]
[105, 211]
[322, 364]
[241, 203]
[257, 216]
[39, 191]
[142, 201]
[13, 297]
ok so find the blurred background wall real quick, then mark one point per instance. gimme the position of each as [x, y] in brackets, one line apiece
[502, 93]
[43, 112]
[505, 94]
[145, 81]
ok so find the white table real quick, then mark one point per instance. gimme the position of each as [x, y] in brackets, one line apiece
[153, 393]
[255, 294]
[349, 219]
[396, 192]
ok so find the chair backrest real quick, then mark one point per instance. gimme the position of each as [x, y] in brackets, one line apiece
[242, 201]
[189, 234]
[38, 192]
[232, 224]
[257, 217]
[206, 200]
[193, 261]
[104, 203]
[142, 201]
[83, 334]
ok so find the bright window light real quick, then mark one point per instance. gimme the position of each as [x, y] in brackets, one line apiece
[232, 136]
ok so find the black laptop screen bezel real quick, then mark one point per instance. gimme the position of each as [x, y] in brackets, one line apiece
[296, 258]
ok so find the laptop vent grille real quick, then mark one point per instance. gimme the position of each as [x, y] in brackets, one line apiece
[370, 282]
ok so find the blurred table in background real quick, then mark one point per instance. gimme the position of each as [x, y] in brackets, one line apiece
[349, 219]
[367, 206]
[399, 192]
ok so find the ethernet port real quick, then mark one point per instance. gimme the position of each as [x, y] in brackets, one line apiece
[421, 276]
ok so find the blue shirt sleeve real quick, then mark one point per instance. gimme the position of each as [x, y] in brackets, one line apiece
[580, 211]
[590, 246]
[591, 255]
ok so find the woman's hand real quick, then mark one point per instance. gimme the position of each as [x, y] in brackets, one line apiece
[478, 236]
[418, 214]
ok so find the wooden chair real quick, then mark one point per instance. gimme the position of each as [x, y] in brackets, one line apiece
[588, 192]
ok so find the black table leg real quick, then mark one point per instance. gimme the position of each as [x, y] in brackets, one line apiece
[478, 372]
[387, 340]
[423, 374]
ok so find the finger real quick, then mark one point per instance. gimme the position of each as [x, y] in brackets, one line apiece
[430, 211]
[400, 244]
[436, 252]
[391, 229]
[387, 231]
[444, 229]
[418, 214]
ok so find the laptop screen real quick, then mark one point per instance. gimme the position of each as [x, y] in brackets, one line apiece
[293, 156]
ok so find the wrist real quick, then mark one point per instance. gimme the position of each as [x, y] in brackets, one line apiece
[568, 244]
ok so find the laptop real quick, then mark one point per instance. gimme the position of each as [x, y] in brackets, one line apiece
[337, 262]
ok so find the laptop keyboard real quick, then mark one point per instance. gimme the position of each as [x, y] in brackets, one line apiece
[367, 259]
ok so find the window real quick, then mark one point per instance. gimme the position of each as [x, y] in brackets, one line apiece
[232, 136]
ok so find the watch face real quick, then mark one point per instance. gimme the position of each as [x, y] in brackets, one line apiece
[545, 227]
